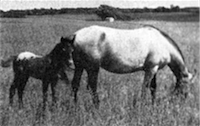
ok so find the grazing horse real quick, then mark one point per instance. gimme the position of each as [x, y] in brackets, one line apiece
[122, 51]
[46, 68]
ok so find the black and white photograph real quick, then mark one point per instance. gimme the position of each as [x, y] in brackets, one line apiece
[99, 63]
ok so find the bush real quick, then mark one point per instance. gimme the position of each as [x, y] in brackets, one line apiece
[107, 11]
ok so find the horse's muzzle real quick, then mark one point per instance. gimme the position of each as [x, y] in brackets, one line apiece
[71, 65]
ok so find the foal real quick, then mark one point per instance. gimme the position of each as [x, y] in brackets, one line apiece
[45, 68]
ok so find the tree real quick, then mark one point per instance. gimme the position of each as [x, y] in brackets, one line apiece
[105, 11]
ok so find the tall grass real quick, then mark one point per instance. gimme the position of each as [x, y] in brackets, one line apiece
[118, 94]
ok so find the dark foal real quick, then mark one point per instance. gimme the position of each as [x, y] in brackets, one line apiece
[46, 68]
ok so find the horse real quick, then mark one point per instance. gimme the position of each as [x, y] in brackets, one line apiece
[123, 51]
[47, 68]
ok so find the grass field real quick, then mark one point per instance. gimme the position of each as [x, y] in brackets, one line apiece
[118, 93]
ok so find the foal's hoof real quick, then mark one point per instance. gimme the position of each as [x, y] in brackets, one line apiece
[10, 105]
[21, 106]
[75, 100]
[96, 106]
[53, 107]
[10, 108]
[96, 103]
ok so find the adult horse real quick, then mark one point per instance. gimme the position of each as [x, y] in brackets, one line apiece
[121, 51]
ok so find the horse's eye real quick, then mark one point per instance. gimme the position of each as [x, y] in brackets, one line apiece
[64, 49]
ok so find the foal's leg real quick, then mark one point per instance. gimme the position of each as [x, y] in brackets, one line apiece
[63, 76]
[13, 88]
[44, 90]
[76, 81]
[53, 84]
[21, 86]
[92, 82]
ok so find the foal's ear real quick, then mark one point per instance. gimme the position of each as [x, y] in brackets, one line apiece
[61, 39]
[68, 40]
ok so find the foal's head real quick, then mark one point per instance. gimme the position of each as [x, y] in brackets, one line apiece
[67, 47]
[60, 55]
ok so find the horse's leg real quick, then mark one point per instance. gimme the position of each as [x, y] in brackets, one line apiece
[149, 75]
[76, 81]
[92, 82]
[20, 90]
[45, 86]
[153, 86]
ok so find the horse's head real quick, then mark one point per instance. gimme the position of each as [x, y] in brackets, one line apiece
[66, 44]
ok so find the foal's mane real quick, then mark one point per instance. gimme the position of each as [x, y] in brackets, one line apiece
[169, 38]
[53, 55]
[53, 52]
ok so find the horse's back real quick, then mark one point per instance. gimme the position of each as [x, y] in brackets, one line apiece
[138, 41]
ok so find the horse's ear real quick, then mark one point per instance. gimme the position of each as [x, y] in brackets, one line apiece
[72, 38]
[61, 39]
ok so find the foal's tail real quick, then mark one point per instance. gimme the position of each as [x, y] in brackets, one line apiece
[7, 62]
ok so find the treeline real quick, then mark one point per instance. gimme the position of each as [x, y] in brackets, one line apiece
[102, 11]
[42, 11]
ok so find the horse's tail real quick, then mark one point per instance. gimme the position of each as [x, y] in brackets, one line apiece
[7, 62]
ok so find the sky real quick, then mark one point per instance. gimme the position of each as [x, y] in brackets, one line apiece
[6, 5]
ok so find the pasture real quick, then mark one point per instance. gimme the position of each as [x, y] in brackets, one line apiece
[118, 93]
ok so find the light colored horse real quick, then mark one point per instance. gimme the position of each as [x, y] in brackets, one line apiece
[124, 51]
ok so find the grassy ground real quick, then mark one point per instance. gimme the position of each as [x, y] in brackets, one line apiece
[118, 93]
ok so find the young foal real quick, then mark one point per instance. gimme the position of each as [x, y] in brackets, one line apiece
[45, 68]
[124, 51]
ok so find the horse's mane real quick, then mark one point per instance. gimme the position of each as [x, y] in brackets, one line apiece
[169, 38]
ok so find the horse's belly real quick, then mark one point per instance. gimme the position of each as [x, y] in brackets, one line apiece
[125, 58]
[117, 65]
[121, 68]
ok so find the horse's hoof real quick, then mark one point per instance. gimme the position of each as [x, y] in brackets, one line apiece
[96, 103]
